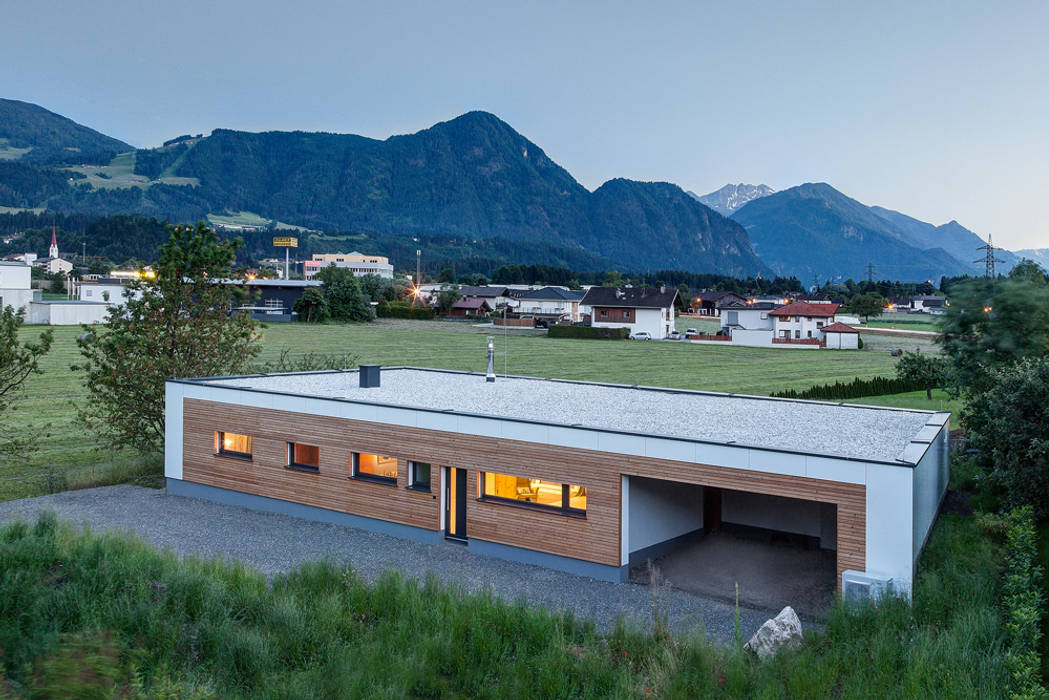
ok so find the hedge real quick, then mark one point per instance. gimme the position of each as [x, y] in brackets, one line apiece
[588, 332]
[876, 386]
[1023, 605]
[401, 309]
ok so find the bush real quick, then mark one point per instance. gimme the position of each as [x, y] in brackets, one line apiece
[589, 332]
[839, 391]
[402, 309]
[1023, 600]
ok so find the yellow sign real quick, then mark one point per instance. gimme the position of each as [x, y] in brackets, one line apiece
[285, 242]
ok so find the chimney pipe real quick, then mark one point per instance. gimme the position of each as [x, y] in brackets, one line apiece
[490, 377]
[369, 376]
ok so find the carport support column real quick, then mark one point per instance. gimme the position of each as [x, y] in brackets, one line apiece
[624, 520]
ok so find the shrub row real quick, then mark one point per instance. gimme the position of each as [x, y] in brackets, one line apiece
[1023, 599]
[402, 309]
[589, 332]
[875, 386]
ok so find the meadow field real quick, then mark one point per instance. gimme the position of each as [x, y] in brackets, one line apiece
[70, 456]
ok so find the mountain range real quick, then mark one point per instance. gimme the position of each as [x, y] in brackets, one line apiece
[477, 183]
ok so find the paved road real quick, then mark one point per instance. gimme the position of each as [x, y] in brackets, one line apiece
[277, 543]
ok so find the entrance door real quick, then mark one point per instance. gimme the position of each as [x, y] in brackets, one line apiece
[711, 509]
[455, 503]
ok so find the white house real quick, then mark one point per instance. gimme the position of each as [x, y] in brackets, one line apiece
[108, 289]
[802, 320]
[551, 302]
[54, 263]
[16, 285]
[641, 309]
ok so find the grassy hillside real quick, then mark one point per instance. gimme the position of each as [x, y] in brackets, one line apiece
[89, 616]
[30, 132]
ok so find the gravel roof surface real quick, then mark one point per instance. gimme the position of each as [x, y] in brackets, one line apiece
[276, 544]
[847, 431]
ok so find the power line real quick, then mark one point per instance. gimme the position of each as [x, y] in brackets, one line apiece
[988, 259]
[870, 273]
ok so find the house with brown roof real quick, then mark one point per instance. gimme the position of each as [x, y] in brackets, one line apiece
[802, 320]
[470, 307]
[641, 309]
[839, 336]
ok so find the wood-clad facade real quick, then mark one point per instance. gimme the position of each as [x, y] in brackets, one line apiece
[595, 537]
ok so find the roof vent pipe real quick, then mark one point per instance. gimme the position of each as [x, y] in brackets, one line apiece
[369, 376]
[490, 377]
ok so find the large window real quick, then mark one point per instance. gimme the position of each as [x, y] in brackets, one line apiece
[233, 445]
[305, 458]
[548, 495]
[373, 467]
[419, 476]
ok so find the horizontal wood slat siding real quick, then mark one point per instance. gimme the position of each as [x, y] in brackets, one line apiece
[595, 538]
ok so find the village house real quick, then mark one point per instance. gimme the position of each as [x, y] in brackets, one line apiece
[552, 304]
[470, 307]
[640, 309]
[802, 320]
[710, 303]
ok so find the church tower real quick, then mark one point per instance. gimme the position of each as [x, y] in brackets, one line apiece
[52, 252]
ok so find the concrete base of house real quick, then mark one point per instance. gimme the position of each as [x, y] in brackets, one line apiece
[179, 487]
[601, 572]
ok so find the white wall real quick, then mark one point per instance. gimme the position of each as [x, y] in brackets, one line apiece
[781, 514]
[749, 319]
[842, 341]
[662, 510]
[890, 523]
[930, 484]
[17, 298]
[651, 320]
[752, 338]
[173, 395]
[15, 276]
[57, 313]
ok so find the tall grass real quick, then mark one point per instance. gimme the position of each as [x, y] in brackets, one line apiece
[109, 613]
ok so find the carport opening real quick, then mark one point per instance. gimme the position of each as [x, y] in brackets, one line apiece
[705, 540]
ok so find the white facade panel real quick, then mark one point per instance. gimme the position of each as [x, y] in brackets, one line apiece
[173, 397]
[930, 484]
[830, 469]
[890, 523]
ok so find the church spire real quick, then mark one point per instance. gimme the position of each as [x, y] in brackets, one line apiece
[52, 252]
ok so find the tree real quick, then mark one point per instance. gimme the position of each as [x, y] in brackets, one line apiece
[18, 361]
[918, 367]
[1008, 425]
[447, 297]
[58, 282]
[613, 278]
[175, 324]
[868, 305]
[312, 306]
[993, 324]
[346, 300]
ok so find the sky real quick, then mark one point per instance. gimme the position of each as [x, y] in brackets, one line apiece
[936, 109]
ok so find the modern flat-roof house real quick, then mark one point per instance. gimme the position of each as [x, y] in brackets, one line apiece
[584, 477]
[709, 303]
[16, 286]
[641, 309]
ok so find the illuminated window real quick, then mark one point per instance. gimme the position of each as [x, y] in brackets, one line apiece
[419, 476]
[537, 493]
[233, 445]
[374, 467]
[304, 457]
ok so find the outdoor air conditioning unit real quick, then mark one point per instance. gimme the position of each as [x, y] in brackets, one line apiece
[860, 587]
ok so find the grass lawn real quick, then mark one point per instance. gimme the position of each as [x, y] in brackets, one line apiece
[70, 456]
[906, 324]
[916, 399]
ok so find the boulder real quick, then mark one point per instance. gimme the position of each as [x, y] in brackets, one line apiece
[784, 630]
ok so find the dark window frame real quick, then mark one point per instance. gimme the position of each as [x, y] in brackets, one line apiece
[413, 481]
[355, 474]
[564, 509]
[231, 454]
[302, 466]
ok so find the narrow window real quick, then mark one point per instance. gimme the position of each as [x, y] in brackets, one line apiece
[305, 458]
[233, 445]
[535, 493]
[419, 476]
[374, 467]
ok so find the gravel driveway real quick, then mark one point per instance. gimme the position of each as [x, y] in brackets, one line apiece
[277, 543]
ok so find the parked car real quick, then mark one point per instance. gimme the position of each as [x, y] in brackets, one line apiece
[642, 335]
[675, 335]
[691, 331]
